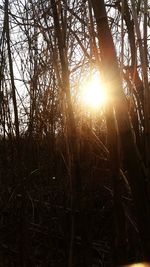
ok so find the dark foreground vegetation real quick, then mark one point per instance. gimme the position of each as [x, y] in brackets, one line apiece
[36, 213]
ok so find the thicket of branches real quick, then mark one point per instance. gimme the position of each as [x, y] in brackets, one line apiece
[65, 173]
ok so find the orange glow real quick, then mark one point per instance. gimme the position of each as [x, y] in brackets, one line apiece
[138, 265]
[93, 93]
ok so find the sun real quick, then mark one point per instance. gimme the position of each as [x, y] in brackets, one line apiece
[94, 93]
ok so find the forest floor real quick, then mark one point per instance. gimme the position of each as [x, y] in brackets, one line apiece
[36, 215]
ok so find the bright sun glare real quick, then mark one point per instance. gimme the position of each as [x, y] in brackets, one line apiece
[93, 93]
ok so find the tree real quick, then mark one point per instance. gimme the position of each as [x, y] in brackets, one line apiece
[131, 154]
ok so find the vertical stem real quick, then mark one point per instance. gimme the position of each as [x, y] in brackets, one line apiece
[145, 30]
[11, 70]
[122, 36]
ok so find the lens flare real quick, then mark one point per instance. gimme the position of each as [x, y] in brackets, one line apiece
[94, 93]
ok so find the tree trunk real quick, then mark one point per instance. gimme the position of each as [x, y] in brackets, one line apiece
[144, 69]
[131, 154]
[119, 246]
[75, 181]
